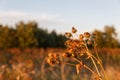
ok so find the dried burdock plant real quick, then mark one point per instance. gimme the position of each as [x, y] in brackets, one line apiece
[78, 49]
[53, 59]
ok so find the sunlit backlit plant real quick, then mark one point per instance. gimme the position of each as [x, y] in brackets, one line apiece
[78, 50]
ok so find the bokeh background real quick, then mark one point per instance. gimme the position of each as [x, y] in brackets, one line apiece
[30, 29]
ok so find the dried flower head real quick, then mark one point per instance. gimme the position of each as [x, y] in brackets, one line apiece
[87, 35]
[78, 50]
[74, 30]
[50, 55]
[53, 59]
[94, 34]
[55, 55]
[81, 37]
[66, 55]
[68, 34]
[50, 61]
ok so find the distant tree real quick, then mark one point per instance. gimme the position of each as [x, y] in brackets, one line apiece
[12, 39]
[5, 38]
[100, 38]
[107, 38]
[60, 40]
[25, 34]
[110, 37]
[41, 36]
[52, 39]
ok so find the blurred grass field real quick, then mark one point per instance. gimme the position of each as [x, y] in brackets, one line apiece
[30, 64]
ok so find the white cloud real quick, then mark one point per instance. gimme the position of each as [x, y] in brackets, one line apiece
[44, 20]
[11, 14]
[12, 17]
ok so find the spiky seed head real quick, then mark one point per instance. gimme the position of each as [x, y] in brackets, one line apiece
[81, 37]
[74, 30]
[50, 55]
[87, 35]
[94, 33]
[55, 55]
[49, 61]
[68, 34]
[70, 50]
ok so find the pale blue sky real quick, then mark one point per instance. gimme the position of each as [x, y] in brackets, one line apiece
[61, 15]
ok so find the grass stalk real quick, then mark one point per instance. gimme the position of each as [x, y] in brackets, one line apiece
[90, 55]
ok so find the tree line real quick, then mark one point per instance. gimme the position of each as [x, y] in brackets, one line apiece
[29, 35]
[108, 37]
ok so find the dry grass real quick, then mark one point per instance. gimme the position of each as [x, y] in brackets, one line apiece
[30, 63]
[81, 53]
[78, 62]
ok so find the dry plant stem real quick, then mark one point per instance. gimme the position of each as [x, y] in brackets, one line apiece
[55, 73]
[96, 52]
[85, 66]
[62, 71]
[77, 60]
[90, 55]
[70, 64]
[43, 70]
[99, 62]
[103, 71]
[89, 69]
[95, 66]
